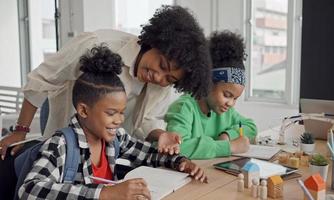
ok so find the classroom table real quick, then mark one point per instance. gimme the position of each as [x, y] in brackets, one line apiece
[224, 186]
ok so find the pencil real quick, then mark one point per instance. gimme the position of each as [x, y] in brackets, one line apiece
[179, 141]
[241, 132]
[330, 149]
[103, 180]
[306, 192]
[106, 181]
[331, 138]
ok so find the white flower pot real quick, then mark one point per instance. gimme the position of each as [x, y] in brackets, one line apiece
[323, 170]
[307, 148]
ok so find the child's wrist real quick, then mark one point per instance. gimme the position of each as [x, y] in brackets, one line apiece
[224, 136]
[180, 160]
[18, 128]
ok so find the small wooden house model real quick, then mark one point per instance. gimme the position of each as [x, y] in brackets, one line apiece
[317, 186]
[251, 171]
[275, 187]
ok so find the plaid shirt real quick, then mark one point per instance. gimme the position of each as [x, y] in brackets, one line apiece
[45, 180]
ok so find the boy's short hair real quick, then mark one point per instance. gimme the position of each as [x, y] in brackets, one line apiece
[227, 49]
[100, 67]
[176, 33]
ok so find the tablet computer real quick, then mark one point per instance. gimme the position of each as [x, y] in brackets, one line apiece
[267, 169]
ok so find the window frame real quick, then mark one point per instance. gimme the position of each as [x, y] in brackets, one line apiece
[25, 61]
[294, 20]
[24, 36]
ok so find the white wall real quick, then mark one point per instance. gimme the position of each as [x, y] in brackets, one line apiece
[84, 15]
[71, 19]
[231, 15]
[9, 40]
[203, 11]
[97, 14]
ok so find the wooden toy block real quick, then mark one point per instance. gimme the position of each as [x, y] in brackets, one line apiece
[304, 161]
[298, 154]
[294, 162]
[317, 186]
[255, 188]
[275, 187]
[283, 158]
[263, 190]
[250, 171]
[241, 184]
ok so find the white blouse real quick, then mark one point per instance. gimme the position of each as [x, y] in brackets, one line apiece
[55, 77]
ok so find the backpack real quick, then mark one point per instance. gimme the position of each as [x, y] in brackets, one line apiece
[24, 162]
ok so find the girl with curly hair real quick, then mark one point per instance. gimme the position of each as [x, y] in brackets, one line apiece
[209, 126]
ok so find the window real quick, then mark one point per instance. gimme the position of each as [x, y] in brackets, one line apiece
[130, 14]
[272, 26]
[10, 71]
[28, 37]
[42, 30]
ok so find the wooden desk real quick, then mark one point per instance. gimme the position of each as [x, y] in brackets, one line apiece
[224, 186]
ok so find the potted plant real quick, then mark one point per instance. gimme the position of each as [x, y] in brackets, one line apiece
[307, 143]
[319, 164]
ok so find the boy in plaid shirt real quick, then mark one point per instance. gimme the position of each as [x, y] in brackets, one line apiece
[100, 101]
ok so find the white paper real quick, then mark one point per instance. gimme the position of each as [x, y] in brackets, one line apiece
[260, 152]
[161, 182]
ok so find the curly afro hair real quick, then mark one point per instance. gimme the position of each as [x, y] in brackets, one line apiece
[227, 49]
[176, 33]
[100, 67]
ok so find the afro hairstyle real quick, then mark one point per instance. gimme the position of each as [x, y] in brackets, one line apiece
[175, 32]
[227, 49]
[100, 67]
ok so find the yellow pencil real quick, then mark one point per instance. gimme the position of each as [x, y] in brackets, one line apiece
[241, 131]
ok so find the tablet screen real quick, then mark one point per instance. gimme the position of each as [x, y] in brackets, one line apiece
[267, 169]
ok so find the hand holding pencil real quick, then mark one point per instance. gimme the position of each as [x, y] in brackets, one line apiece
[136, 188]
[241, 131]
[240, 144]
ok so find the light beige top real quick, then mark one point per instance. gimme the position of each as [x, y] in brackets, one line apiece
[55, 77]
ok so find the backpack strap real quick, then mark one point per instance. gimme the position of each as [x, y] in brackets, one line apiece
[72, 155]
[23, 164]
[116, 146]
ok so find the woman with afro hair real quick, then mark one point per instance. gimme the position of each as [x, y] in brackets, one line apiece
[209, 127]
[170, 53]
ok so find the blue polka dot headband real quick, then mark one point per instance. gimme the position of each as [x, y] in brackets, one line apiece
[229, 75]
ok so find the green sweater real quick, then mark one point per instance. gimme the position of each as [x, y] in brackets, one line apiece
[200, 133]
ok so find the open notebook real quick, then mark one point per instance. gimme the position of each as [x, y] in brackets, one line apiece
[260, 152]
[161, 181]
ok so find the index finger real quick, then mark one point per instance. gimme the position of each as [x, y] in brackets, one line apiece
[177, 149]
[141, 188]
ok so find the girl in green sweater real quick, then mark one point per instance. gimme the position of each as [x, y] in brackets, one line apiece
[209, 127]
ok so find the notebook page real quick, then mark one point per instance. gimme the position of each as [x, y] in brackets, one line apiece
[260, 152]
[161, 182]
